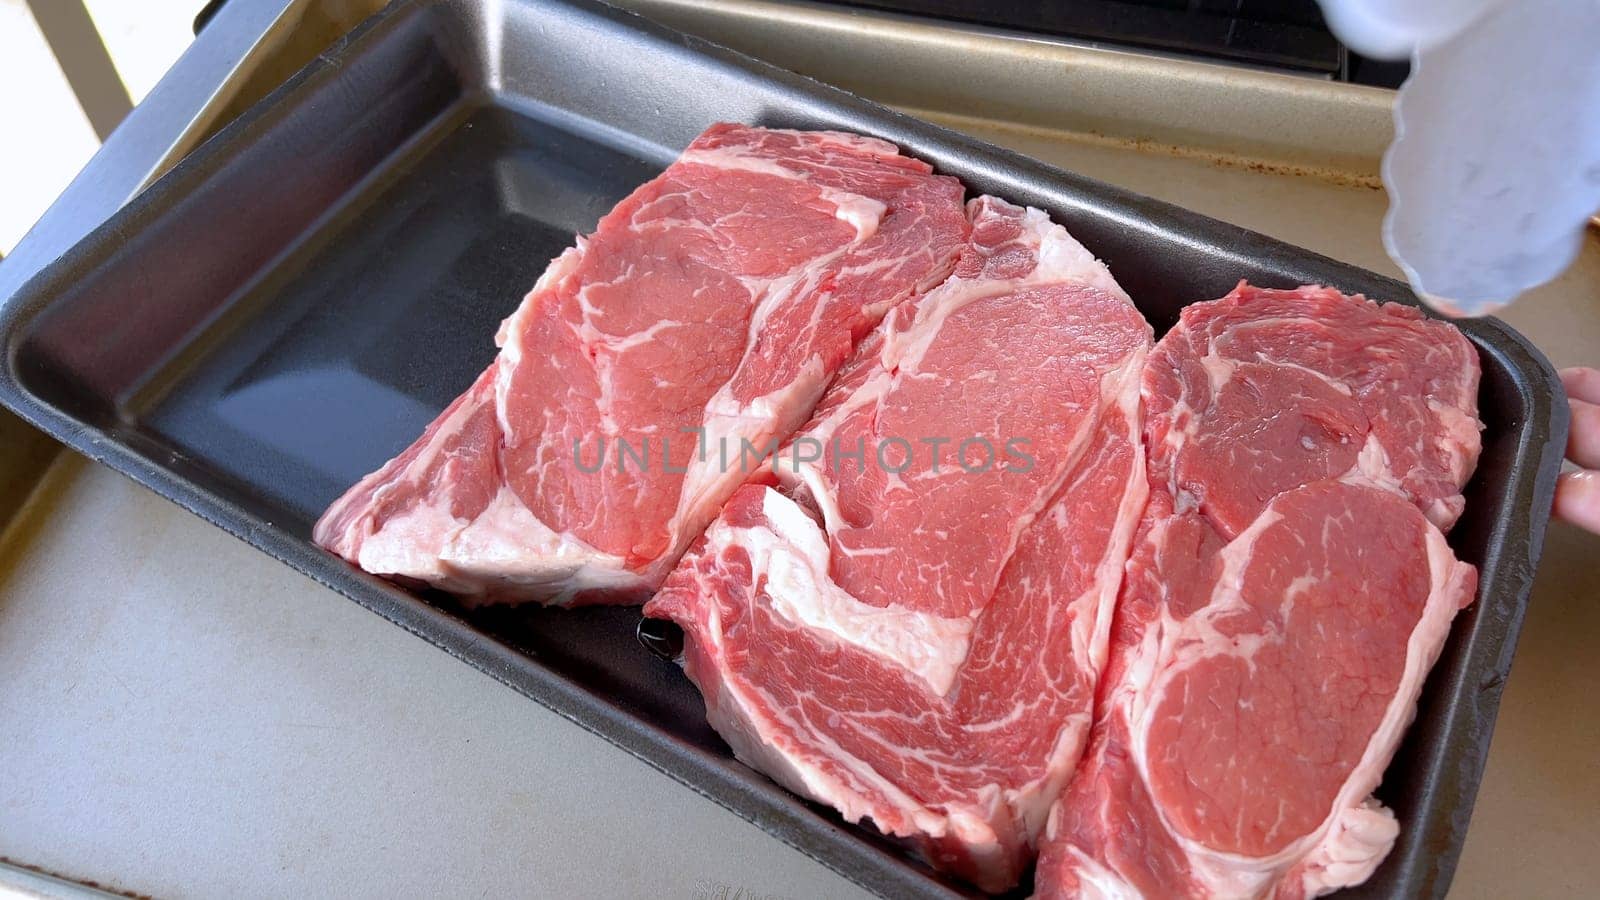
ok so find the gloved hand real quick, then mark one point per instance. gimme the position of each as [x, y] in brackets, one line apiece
[1495, 165]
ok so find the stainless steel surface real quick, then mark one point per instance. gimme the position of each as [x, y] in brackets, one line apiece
[131, 762]
[187, 104]
[249, 41]
[250, 47]
[183, 104]
[1211, 113]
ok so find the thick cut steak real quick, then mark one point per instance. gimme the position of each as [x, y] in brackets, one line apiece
[1288, 591]
[710, 307]
[908, 623]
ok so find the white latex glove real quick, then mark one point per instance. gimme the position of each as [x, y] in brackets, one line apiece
[1495, 166]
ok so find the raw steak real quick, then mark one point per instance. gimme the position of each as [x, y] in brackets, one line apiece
[908, 626]
[713, 304]
[1288, 591]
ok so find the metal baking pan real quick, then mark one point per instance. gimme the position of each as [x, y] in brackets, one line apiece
[292, 303]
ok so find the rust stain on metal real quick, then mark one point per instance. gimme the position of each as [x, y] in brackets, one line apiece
[82, 882]
[1341, 177]
[1358, 178]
